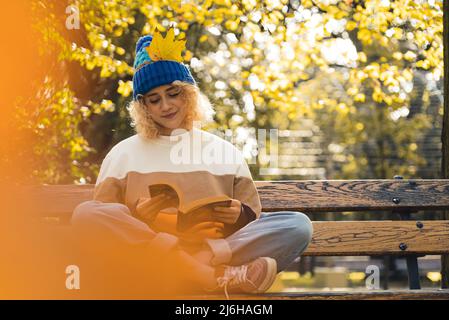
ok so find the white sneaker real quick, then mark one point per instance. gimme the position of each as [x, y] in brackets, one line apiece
[254, 277]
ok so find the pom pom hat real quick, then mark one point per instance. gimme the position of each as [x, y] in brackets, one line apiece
[159, 62]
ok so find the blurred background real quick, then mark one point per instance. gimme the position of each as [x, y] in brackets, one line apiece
[354, 87]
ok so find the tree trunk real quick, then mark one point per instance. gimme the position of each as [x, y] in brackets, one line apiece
[445, 132]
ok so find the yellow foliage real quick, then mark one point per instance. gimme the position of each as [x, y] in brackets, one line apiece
[124, 88]
[410, 56]
[379, 72]
[120, 51]
[352, 91]
[231, 25]
[351, 25]
[359, 126]
[397, 55]
[362, 57]
[425, 64]
[359, 97]
[188, 55]
[343, 108]
[377, 96]
[413, 146]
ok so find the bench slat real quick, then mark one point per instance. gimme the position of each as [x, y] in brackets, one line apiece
[301, 195]
[370, 238]
[353, 195]
[54, 200]
[378, 237]
[424, 294]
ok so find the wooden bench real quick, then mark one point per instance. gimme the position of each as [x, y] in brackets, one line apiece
[404, 237]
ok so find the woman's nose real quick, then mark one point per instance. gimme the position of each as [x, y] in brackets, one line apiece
[164, 104]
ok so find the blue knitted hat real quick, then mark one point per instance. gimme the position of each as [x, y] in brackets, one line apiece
[163, 67]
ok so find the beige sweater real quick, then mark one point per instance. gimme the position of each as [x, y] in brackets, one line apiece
[202, 164]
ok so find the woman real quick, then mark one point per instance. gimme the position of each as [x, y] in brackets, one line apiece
[241, 248]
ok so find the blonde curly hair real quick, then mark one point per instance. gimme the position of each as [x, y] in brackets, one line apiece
[199, 110]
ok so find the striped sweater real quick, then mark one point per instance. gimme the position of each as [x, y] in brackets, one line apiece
[200, 163]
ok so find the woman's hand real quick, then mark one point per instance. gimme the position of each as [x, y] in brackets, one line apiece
[228, 215]
[201, 231]
[148, 208]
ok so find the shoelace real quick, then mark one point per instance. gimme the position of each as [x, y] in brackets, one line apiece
[233, 276]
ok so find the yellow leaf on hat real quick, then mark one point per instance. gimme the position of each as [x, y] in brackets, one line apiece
[166, 48]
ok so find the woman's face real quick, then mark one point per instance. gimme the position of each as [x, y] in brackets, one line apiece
[167, 107]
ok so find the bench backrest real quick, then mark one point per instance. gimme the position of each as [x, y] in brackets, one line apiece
[312, 196]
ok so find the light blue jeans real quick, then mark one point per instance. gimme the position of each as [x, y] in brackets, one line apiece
[280, 235]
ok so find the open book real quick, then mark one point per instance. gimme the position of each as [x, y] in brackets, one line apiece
[194, 207]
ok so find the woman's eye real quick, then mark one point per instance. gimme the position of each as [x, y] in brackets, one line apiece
[154, 101]
[174, 94]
